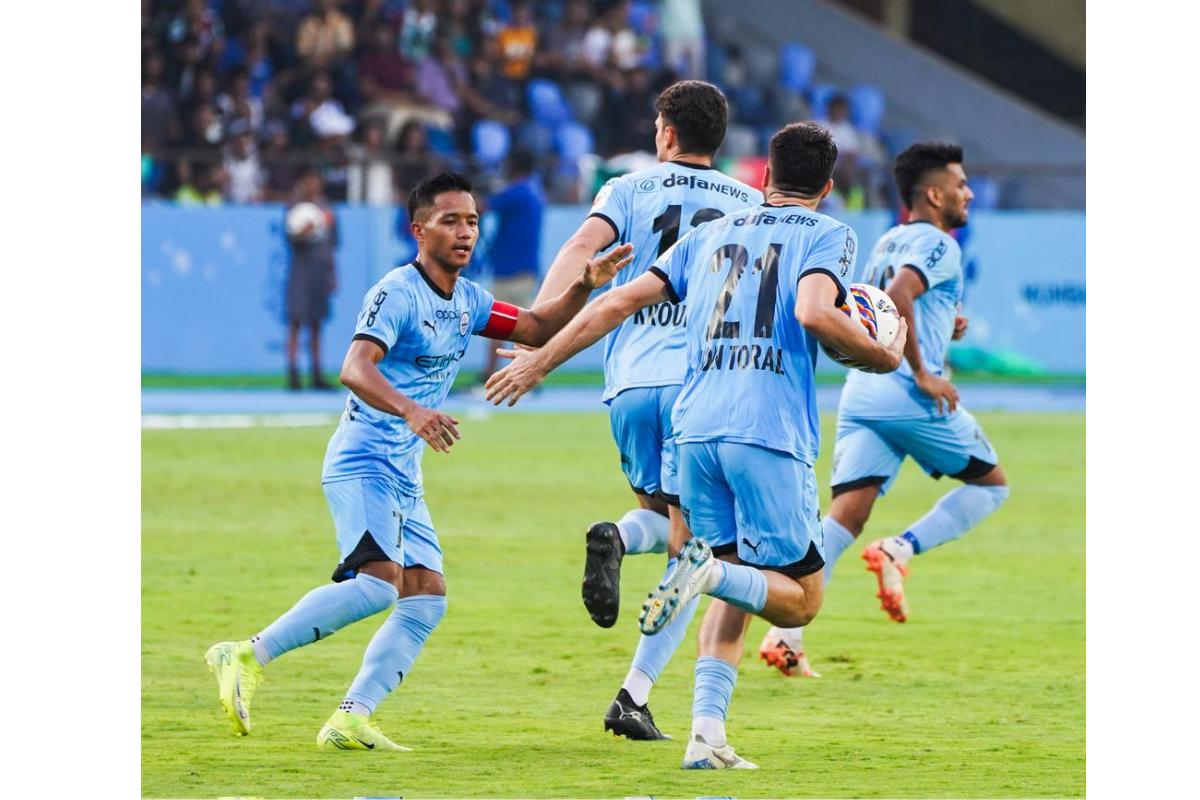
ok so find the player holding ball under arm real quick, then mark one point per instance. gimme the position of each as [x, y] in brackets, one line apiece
[410, 338]
[763, 286]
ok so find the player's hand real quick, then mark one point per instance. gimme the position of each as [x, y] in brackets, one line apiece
[523, 374]
[438, 429]
[960, 327]
[600, 271]
[941, 390]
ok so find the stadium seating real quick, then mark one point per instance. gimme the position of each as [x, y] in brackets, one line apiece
[797, 67]
[573, 141]
[490, 142]
[867, 107]
[819, 96]
[547, 105]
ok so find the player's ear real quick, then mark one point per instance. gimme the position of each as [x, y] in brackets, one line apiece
[828, 188]
[766, 178]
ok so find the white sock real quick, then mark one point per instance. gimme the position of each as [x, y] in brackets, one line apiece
[644, 531]
[638, 684]
[354, 707]
[899, 548]
[793, 636]
[260, 650]
[710, 729]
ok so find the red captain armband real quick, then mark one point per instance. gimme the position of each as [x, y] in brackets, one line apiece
[501, 321]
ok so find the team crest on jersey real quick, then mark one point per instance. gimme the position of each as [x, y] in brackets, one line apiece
[463, 323]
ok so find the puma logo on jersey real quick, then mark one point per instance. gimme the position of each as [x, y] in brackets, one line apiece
[432, 329]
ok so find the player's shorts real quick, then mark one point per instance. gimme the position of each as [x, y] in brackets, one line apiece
[759, 503]
[869, 451]
[641, 425]
[377, 522]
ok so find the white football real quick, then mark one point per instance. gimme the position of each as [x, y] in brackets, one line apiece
[300, 215]
[870, 307]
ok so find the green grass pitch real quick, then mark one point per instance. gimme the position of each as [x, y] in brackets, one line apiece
[980, 694]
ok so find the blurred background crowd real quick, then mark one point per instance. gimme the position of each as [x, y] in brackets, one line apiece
[240, 96]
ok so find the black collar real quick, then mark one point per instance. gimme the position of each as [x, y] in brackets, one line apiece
[432, 286]
[691, 164]
[916, 221]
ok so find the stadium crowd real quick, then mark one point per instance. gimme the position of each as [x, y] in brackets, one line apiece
[239, 95]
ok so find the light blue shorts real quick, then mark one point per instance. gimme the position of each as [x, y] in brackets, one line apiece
[759, 503]
[870, 451]
[641, 426]
[377, 522]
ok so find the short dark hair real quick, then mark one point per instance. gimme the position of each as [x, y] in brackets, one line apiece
[698, 112]
[425, 193]
[521, 161]
[917, 160]
[802, 156]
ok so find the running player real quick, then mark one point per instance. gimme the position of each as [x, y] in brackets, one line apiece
[411, 336]
[913, 411]
[763, 286]
[644, 362]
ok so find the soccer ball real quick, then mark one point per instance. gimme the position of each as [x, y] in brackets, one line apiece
[301, 214]
[874, 310]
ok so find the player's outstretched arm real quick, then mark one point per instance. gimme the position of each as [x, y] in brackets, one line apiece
[528, 368]
[817, 312]
[593, 236]
[536, 325]
[904, 290]
[361, 376]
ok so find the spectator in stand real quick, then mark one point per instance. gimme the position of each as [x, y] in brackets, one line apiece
[238, 102]
[311, 279]
[417, 30]
[456, 23]
[439, 76]
[159, 124]
[683, 37]
[205, 131]
[562, 58]
[325, 43]
[325, 38]
[258, 62]
[488, 94]
[198, 22]
[370, 172]
[242, 165]
[280, 171]
[517, 42]
[206, 190]
[414, 161]
[387, 81]
[186, 63]
[847, 175]
[319, 114]
[514, 248]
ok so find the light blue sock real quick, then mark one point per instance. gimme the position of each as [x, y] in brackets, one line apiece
[741, 586]
[654, 652]
[394, 647]
[644, 531]
[324, 611]
[837, 539]
[715, 680]
[955, 514]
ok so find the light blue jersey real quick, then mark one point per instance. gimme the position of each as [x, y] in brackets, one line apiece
[936, 257]
[424, 333]
[749, 362]
[651, 209]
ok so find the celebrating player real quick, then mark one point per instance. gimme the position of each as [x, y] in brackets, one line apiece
[763, 285]
[411, 336]
[644, 362]
[913, 411]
